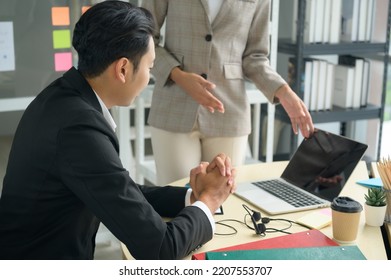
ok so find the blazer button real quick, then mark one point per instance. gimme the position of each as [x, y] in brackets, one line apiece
[203, 75]
[208, 38]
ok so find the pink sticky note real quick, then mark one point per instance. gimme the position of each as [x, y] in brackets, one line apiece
[62, 61]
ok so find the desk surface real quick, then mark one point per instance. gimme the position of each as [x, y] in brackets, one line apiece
[369, 239]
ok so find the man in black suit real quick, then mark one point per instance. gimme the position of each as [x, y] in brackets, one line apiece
[64, 175]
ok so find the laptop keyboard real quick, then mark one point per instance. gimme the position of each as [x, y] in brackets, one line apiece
[287, 193]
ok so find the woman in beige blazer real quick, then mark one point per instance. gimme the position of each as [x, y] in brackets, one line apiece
[199, 104]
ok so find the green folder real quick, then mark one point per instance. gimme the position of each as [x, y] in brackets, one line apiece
[302, 253]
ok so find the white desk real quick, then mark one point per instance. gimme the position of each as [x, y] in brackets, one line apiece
[369, 239]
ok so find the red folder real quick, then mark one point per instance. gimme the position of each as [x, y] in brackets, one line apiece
[309, 238]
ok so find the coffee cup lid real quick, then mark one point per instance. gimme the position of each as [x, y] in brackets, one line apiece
[346, 204]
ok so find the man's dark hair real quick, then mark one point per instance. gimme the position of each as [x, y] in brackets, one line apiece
[108, 31]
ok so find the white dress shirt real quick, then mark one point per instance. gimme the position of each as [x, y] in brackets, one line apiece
[214, 8]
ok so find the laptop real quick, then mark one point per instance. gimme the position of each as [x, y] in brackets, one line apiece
[314, 176]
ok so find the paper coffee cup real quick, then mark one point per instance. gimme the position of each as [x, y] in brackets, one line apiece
[345, 219]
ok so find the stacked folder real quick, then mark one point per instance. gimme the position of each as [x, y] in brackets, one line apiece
[308, 253]
[306, 245]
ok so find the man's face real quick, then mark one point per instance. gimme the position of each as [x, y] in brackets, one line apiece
[137, 82]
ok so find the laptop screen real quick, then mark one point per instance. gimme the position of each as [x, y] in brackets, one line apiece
[323, 163]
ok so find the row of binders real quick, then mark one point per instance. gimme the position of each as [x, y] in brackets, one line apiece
[333, 21]
[325, 84]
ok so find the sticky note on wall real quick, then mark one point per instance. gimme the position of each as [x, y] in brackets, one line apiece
[61, 39]
[60, 16]
[62, 61]
[84, 9]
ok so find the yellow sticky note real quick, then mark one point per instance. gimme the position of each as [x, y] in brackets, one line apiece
[61, 39]
[315, 220]
[60, 16]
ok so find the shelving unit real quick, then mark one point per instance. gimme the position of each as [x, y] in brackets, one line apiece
[301, 50]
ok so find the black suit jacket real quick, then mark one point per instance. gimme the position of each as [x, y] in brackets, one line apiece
[64, 176]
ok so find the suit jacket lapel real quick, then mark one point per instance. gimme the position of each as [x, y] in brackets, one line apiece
[206, 8]
[224, 9]
[205, 5]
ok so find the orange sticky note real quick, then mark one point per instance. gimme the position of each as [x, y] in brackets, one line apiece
[84, 9]
[60, 16]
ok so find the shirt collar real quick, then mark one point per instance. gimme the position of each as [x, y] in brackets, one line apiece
[106, 113]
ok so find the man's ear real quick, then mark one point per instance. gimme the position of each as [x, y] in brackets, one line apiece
[122, 68]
